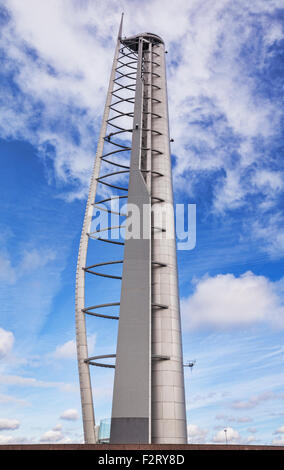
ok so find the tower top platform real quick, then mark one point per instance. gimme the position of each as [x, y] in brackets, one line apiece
[132, 41]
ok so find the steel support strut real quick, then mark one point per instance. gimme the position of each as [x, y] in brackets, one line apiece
[81, 336]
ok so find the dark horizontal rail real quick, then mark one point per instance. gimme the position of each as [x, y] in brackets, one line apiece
[91, 360]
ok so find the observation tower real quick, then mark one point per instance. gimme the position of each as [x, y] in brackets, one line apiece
[133, 167]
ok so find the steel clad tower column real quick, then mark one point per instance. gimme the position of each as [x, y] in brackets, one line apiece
[148, 396]
[168, 398]
[148, 399]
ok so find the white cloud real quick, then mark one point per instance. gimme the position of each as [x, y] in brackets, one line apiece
[250, 439]
[66, 350]
[8, 399]
[61, 53]
[278, 441]
[54, 436]
[216, 113]
[31, 260]
[233, 436]
[240, 419]
[269, 231]
[57, 73]
[231, 193]
[7, 272]
[8, 424]
[34, 259]
[280, 430]
[6, 439]
[16, 440]
[253, 401]
[270, 181]
[6, 342]
[227, 301]
[196, 434]
[33, 382]
[30, 283]
[57, 427]
[70, 415]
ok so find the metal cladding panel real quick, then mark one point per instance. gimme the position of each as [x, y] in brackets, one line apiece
[130, 430]
[131, 396]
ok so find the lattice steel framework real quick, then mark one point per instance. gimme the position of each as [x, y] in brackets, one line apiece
[148, 397]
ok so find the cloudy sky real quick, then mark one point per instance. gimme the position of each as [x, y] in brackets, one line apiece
[225, 84]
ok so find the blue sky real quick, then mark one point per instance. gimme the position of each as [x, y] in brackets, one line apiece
[225, 86]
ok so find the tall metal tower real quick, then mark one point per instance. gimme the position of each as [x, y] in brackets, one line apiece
[148, 396]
